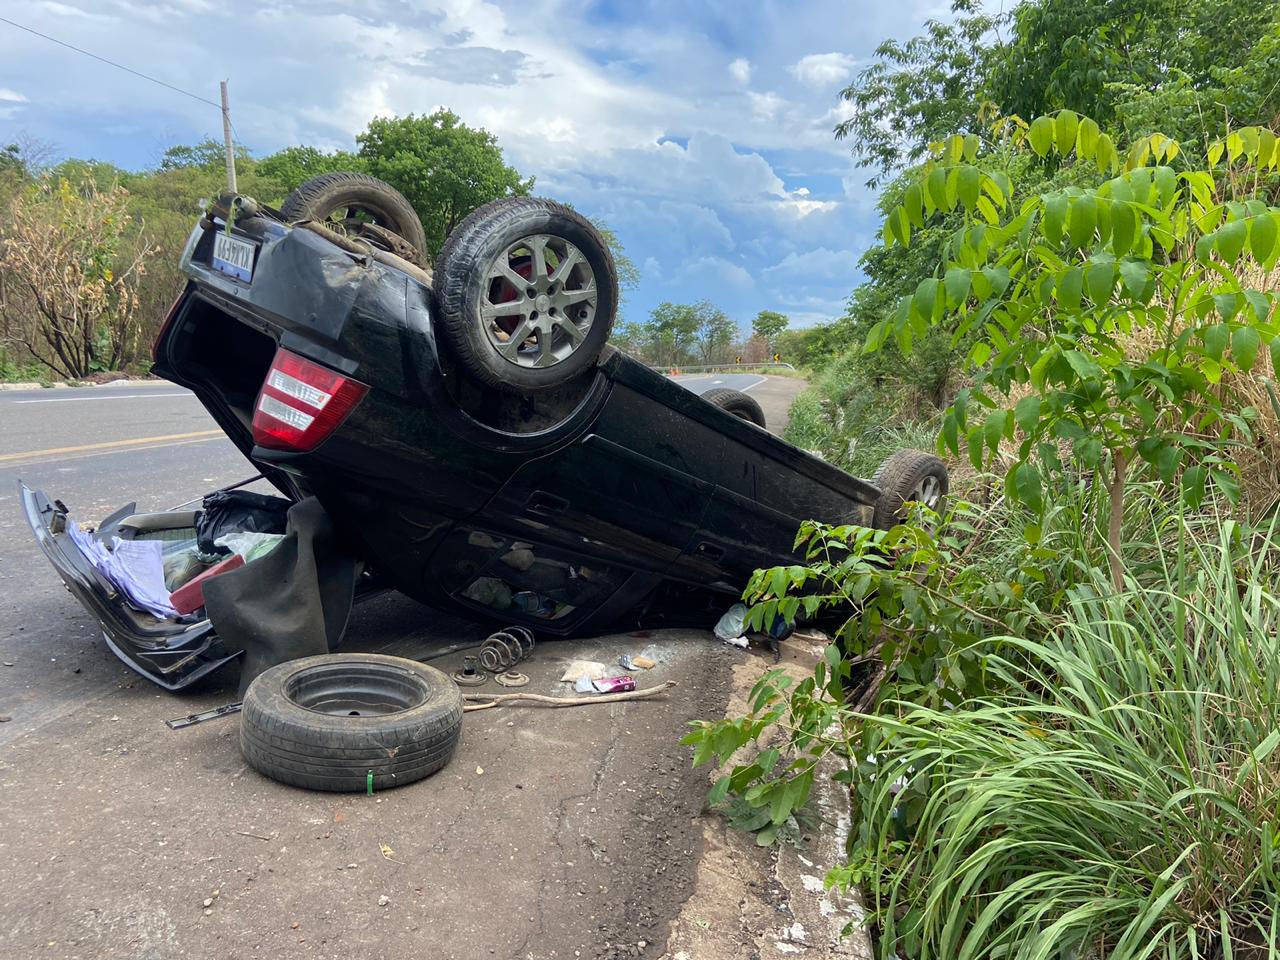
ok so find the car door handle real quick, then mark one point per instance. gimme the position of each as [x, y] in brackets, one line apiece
[546, 504]
[710, 551]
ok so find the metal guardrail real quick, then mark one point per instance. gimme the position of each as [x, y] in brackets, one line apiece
[724, 367]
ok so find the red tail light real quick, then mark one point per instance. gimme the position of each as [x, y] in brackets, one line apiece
[301, 403]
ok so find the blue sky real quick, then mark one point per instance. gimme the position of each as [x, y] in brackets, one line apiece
[701, 132]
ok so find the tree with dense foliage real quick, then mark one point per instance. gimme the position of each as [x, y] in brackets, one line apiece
[768, 326]
[443, 167]
[1192, 68]
[292, 166]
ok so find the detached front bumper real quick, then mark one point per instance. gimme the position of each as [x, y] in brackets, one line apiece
[170, 653]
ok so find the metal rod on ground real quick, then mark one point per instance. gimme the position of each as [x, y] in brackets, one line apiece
[493, 699]
[226, 137]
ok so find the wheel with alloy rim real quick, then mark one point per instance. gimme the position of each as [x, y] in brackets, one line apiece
[526, 292]
[908, 476]
[345, 721]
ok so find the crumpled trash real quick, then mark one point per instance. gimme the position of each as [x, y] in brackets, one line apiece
[238, 511]
[732, 625]
[249, 544]
[591, 669]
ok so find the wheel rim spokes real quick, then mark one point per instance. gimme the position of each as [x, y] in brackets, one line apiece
[928, 492]
[539, 302]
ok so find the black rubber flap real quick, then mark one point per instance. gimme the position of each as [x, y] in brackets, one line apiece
[293, 602]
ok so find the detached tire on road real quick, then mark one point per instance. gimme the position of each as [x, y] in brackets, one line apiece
[325, 723]
[351, 198]
[526, 292]
[741, 405]
[908, 475]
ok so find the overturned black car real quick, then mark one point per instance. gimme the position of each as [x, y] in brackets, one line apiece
[471, 435]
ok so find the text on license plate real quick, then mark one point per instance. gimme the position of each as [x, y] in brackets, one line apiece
[233, 257]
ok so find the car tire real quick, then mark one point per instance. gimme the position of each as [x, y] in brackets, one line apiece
[320, 197]
[570, 315]
[908, 475]
[741, 405]
[328, 722]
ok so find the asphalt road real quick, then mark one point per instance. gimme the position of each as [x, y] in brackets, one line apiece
[558, 833]
[701, 383]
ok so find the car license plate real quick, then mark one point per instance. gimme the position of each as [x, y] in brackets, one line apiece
[232, 256]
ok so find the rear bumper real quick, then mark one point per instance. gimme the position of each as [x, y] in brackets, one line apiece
[171, 654]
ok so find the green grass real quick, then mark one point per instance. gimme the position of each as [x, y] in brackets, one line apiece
[854, 426]
[1120, 800]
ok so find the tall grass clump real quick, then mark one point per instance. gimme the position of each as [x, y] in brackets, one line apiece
[1117, 799]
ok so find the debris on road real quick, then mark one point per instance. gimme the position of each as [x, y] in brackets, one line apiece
[485, 701]
[383, 900]
[591, 669]
[191, 719]
[614, 684]
[467, 675]
[512, 679]
[732, 625]
[505, 648]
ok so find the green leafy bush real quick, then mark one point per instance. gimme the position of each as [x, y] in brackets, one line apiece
[1115, 309]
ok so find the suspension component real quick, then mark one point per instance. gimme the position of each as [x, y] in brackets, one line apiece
[503, 650]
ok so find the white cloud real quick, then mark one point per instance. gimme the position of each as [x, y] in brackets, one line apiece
[11, 96]
[714, 274]
[765, 106]
[820, 264]
[644, 117]
[823, 69]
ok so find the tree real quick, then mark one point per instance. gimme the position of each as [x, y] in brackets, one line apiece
[672, 333]
[70, 282]
[292, 166]
[1121, 310]
[768, 325]
[208, 154]
[1146, 63]
[443, 167]
[920, 91]
[1094, 56]
[715, 332]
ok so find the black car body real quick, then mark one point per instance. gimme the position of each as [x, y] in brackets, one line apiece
[566, 512]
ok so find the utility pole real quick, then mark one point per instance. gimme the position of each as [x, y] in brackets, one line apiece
[226, 137]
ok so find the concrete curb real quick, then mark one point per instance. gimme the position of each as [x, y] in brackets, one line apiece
[60, 385]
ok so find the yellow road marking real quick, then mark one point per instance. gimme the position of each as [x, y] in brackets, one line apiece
[109, 445]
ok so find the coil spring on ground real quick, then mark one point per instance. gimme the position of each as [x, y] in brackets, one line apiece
[504, 649]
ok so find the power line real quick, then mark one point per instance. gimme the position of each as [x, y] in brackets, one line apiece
[112, 63]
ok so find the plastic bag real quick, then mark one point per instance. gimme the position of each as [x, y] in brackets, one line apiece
[238, 511]
[249, 544]
[732, 624]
